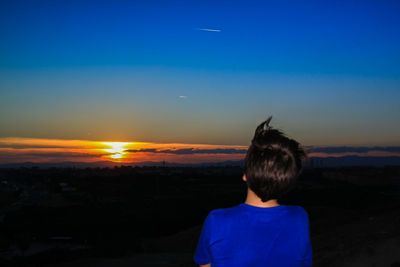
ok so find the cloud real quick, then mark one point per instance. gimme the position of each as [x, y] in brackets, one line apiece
[15, 149]
[50, 154]
[182, 96]
[347, 149]
[26, 143]
[209, 30]
[26, 146]
[190, 151]
[64, 155]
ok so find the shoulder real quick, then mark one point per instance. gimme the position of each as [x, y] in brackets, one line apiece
[295, 215]
[221, 221]
[224, 213]
[302, 213]
[297, 211]
[302, 218]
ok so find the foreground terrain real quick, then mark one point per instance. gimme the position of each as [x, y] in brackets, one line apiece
[152, 216]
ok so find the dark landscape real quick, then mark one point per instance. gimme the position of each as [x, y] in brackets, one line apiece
[152, 216]
[123, 124]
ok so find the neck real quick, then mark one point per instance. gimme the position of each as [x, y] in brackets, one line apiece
[253, 200]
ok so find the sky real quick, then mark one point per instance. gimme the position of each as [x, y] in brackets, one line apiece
[198, 73]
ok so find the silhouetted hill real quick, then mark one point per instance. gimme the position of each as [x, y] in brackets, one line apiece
[354, 161]
[316, 162]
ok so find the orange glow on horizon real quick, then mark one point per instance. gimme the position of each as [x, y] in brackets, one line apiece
[38, 150]
[116, 156]
[117, 150]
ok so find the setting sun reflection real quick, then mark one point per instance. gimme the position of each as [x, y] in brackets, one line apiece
[116, 149]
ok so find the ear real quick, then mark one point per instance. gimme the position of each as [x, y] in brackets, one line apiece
[244, 178]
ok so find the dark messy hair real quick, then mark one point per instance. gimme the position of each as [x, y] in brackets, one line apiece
[273, 162]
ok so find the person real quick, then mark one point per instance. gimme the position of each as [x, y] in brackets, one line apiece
[260, 231]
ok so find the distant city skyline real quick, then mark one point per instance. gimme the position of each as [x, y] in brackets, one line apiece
[199, 72]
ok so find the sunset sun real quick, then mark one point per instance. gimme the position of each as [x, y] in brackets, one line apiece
[116, 149]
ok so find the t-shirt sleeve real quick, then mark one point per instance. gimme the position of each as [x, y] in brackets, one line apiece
[202, 255]
[308, 253]
[307, 256]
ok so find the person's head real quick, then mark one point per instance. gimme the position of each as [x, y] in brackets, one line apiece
[272, 163]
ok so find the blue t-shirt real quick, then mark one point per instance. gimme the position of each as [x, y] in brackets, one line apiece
[247, 235]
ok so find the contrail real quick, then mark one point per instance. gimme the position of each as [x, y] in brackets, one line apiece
[209, 30]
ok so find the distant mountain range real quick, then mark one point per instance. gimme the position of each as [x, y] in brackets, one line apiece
[315, 162]
[353, 161]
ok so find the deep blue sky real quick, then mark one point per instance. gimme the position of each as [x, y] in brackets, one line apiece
[327, 70]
